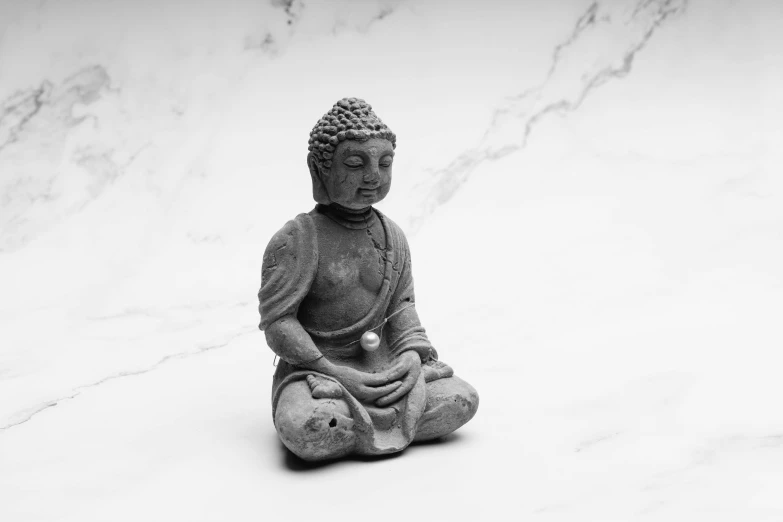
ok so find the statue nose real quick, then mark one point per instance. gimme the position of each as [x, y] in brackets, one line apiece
[373, 177]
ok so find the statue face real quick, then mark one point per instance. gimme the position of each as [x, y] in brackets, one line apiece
[361, 172]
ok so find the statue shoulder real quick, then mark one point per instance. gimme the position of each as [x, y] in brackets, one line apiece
[289, 266]
[397, 235]
[295, 235]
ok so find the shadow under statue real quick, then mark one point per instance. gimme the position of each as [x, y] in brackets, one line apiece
[357, 374]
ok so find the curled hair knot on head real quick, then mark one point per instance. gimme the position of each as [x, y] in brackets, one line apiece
[348, 119]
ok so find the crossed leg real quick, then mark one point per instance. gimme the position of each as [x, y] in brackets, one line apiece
[451, 403]
[322, 429]
[313, 429]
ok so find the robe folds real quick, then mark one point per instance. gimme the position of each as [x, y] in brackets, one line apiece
[289, 268]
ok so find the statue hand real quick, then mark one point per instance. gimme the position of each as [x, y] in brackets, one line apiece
[407, 369]
[365, 386]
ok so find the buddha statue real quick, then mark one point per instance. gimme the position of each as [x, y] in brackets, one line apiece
[356, 374]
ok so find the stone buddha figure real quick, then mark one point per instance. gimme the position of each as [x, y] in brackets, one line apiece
[357, 374]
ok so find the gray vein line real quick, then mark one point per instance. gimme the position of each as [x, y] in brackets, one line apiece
[445, 182]
[78, 391]
[37, 96]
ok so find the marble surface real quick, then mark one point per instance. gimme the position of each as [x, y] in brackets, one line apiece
[594, 200]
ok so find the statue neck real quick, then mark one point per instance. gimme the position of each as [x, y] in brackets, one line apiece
[347, 217]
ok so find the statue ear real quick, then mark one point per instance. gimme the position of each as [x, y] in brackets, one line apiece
[319, 189]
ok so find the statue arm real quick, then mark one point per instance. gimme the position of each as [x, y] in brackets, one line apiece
[289, 340]
[407, 340]
[287, 273]
[405, 330]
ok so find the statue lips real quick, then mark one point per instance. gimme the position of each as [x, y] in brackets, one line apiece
[369, 192]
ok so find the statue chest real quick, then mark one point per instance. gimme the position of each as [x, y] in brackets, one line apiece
[351, 266]
[349, 262]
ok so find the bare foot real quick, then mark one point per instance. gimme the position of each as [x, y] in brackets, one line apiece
[434, 370]
[321, 388]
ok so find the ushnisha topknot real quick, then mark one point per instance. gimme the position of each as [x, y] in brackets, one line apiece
[349, 119]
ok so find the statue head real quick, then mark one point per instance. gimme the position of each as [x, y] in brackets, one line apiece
[350, 157]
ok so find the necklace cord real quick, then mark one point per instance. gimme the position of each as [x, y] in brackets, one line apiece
[382, 323]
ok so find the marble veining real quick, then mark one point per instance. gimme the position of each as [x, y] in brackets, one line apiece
[634, 356]
[580, 64]
[25, 416]
[40, 119]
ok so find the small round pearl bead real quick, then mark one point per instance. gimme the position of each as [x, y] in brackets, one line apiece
[370, 341]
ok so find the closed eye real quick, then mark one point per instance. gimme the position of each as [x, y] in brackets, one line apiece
[354, 162]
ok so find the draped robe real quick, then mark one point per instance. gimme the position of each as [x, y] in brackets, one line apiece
[290, 267]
